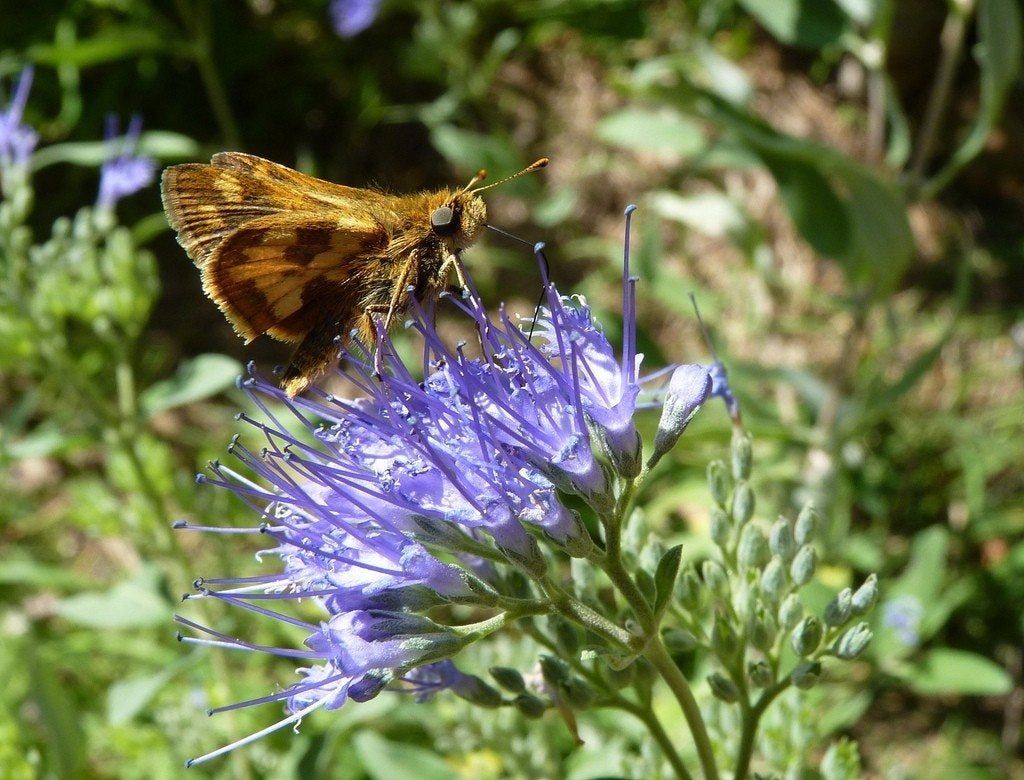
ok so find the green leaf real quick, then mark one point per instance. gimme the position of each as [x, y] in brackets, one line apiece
[114, 43]
[131, 604]
[470, 151]
[127, 698]
[810, 24]
[197, 379]
[665, 576]
[161, 144]
[946, 671]
[652, 131]
[813, 204]
[999, 52]
[384, 760]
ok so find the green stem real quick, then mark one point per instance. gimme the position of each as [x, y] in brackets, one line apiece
[650, 720]
[612, 564]
[751, 719]
[202, 53]
[954, 31]
[656, 653]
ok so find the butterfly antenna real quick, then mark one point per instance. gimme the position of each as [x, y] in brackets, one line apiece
[703, 327]
[479, 177]
[505, 233]
[535, 166]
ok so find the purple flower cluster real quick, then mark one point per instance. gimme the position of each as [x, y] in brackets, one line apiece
[17, 140]
[125, 172]
[417, 493]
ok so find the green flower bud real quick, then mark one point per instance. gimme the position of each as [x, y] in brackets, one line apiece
[742, 503]
[761, 631]
[723, 688]
[529, 705]
[865, 596]
[509, 679]
[806, 674]
[807, 636]
[715, 577]
[753, 548]
[805, 524]
[678, 640]
[688, 589]
[838, 610]
[578, 693]
[741, 455]
[802, 568]
[555, 671]
[790, 612]
[688, 387]
[723, 639]
[476, 691]
[720, 527]
[760, 674]
[773, 580]
[781, 541]
[718, 482]
[853, 642]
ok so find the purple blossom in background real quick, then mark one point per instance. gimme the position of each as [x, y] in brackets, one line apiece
[17, 140]
[425, 492]
[903, 614]
[124, 173]
[351, 17]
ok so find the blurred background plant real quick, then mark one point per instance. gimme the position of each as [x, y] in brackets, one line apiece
[839, 182]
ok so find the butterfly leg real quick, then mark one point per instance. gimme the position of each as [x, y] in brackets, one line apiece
[455, 263]
[405, 278]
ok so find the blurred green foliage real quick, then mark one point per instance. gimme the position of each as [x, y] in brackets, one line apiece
[839, 181]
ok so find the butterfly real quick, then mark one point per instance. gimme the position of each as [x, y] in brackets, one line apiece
[306, 261]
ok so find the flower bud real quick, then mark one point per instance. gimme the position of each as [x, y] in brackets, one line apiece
[529, 705]
[760, 674]
[718, 482]
[865, 596]
[806, 522]
[773, 580]
[790, 612]
[578, 693]
[742, 503]
[802, 568]
[781, 540]
[753, 548]
[761, 631]
[555, 672]
[509, 679]
[720, 527]
[678, 640]
[723, 639]
[723, 688]
[687, 390]
[838, 610]
[715, 578]
[476, 691]
[688, 589]
[806, 674]
[567, 637]
[807, 636]
[741, 455]
[853, 642]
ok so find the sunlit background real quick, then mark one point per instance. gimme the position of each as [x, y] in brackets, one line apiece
[840, 183]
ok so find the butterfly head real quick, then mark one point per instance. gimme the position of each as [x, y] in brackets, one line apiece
[460, 217]
[458, 220]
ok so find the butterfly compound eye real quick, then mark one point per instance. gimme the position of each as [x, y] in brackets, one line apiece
[443, 221]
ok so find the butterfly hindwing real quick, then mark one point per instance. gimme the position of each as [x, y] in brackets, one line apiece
[285, 273]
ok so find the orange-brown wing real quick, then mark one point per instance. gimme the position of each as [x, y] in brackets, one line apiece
[206, 203]
[283, 274]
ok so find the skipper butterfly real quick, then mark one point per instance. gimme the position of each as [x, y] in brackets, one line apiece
[304, 260]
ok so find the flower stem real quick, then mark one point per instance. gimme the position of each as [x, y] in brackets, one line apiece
[650, 720]
[751, 719]
[656, 653]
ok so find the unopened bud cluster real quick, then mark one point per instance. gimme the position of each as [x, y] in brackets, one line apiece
[744, 605]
